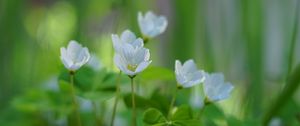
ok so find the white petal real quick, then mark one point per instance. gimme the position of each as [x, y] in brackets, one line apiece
[65, 58]
[84, 56]
[74, 56]
[128, 37]
[178, 66]
[187, 74]
[180, 80]
[73, 49]
[190, 83]
[161, 24]
[189, 66]
[75, 67]
[121, 63]
[198, 76]
[142, 66]
[224, 93]
[138, 43]
[215, 88]
[141, 55]
[128, 52]
[149, 15]
[66, 64]
[116, 41]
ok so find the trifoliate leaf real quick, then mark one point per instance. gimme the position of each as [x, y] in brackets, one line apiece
[153, 116]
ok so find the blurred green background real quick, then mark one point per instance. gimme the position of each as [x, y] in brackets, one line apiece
[254, 43]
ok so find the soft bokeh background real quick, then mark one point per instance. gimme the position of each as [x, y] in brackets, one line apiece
[247, 40]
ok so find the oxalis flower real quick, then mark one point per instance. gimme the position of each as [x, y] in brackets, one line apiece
[187, 75]
[151, 25]
[74, 56]
[215, 89]
[131, 60]
[126, 37]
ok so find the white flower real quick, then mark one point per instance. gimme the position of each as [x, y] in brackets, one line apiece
[74, 56]
[187, 75]
[131, 60]
[152, 25]
[215, 88]
[126, 37]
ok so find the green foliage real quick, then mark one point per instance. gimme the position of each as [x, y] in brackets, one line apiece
[233, 38]
[158, 73]
[93, 85]
[39, 100]
[183, 116]
[153, 116]
[211, 111]
[212, 114]
[140, 102]
[157, 101]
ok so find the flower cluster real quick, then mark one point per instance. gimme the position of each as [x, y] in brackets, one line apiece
[215, 89]
[131, 57]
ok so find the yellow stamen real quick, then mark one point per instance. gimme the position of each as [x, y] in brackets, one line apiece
[132, 67]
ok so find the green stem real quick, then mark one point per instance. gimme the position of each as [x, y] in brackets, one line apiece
[102, 113]
[76, 106]
[294, 37]
[98, 123]
[133, 103]
[290, 88]
[206, 102]
[201, 112]
[116, 99]
[172, 102]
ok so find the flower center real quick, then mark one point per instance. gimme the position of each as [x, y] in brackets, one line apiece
[132, 67]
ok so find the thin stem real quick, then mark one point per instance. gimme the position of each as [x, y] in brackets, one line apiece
[116, 99]
[294, 38]
[172, 102]
[201, 112]
[102, 112]
[95, 113]
[76, 106]
[133, 103]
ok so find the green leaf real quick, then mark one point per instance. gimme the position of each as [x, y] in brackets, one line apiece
[153, 116]
[183, 116]
[140, 102]
[90, 84]
[40, 100]
[65, 87]
[162, 101]
[83, 79]
[183, 112]
[232, 121]
[31, 101]
[212, 111]
[157, 73]
[213, 115]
